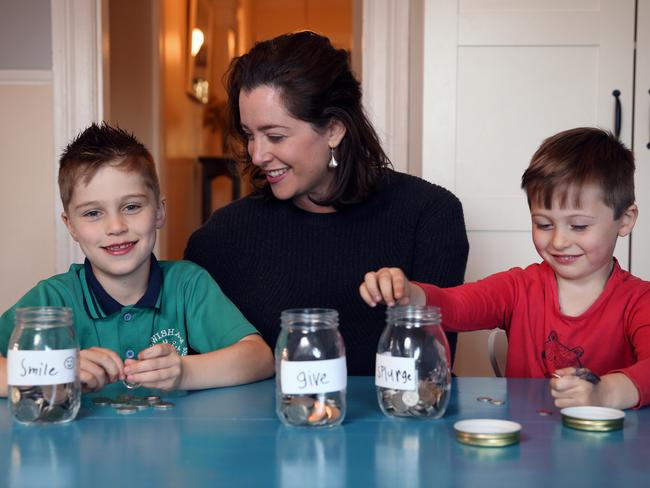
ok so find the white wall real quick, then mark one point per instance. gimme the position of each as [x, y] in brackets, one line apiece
[27, 158]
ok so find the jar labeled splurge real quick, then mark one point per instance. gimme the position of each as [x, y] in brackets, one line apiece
[412, 372]
[43, 366]
[311, 373]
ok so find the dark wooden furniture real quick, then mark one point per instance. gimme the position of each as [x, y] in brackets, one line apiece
[212, 167]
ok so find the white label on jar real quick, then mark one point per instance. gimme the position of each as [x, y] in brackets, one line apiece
[53, 367]
[395, 372]
[309, 377]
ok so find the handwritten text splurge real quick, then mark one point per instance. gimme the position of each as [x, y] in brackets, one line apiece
[395, 372]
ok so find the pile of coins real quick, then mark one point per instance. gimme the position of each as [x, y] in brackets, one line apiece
[44, 404]
[126, 403]
[490, 400]
[429, 400]
[310, 410]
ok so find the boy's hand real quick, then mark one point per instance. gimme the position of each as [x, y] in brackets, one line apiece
[98, 367]
[570, 389]
[158, 366]
[390, 286]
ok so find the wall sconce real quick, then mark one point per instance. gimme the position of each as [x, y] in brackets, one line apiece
[199, 39]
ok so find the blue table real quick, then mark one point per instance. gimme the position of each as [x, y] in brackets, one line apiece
[231, 437]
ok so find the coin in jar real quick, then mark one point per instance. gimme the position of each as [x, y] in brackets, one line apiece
[55, 394]
[15, 395]
[398, 403]
[303, 400]
[333, 413]
[427, 392]
[318, 413]
[27, 410]
[52, 413]
[297, 414]
[410, 398]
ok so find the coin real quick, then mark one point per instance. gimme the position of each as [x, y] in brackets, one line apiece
[101, 401]
[163, 405]
[27, 410]
[297, 414]
[126, 409]
[497, 402]
[318, 413]
[398, 403]
[137, 401]
[52, 413]
[544, 412]
[484, 399]
[410, 398]
[129, 385]
[333, 413]
[303, 400]
[15, 395]
[55, 394]
[587, 375]
[152, 399]
[428, 392]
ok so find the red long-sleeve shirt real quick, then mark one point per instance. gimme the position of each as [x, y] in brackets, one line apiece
[613, 335]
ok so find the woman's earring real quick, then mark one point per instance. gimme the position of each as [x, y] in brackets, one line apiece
[333, 162]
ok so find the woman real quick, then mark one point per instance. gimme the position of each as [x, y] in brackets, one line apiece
[326, 207]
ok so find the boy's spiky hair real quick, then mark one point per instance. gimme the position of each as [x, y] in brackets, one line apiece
[100, 145]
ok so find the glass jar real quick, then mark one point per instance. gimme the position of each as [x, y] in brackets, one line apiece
[43, 366]
[311, 374]
[412, 372]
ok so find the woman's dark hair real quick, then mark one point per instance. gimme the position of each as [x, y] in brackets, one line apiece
[317, 86]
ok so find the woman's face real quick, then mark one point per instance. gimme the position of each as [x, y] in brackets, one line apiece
[293, 154]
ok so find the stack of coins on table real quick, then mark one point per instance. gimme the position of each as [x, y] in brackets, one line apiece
[427, 401]
[314, 410]
[42, 404]
[126, 403]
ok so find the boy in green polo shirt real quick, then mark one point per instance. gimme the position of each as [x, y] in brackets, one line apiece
[137, 318]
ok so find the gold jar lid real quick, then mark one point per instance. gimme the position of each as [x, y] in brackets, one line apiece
[593, 419]
[487, 432]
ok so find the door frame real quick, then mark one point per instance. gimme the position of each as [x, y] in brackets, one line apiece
[392, 39]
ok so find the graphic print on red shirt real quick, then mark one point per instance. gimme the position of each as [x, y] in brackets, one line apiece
[557, 356]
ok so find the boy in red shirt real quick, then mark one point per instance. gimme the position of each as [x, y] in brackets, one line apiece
[577, 309]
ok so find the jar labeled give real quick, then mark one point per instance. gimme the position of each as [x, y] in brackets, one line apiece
[311, 374]
[43, 366]
[412, 372]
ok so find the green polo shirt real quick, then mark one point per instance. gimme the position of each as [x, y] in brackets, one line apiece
[183, 307]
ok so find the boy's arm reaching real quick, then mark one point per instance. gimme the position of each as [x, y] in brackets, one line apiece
[390, 286]
[614, 390]
[160, 366]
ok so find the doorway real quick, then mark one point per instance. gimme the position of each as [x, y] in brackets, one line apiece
[148, 85]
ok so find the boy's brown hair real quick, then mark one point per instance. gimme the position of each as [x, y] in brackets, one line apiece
[101, 145]
[576, 157]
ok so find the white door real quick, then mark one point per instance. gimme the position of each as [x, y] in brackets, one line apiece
[640, 254]
[499, 77]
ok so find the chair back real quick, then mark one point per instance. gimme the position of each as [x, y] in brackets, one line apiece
[498, 351]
